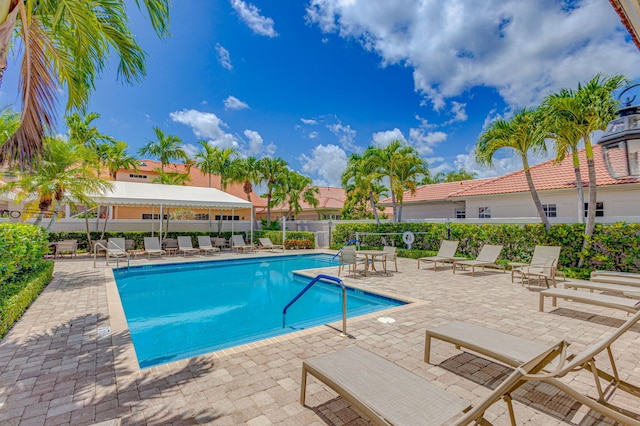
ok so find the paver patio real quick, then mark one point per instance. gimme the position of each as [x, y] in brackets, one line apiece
[70, 360]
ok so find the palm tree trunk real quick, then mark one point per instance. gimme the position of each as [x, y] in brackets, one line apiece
[536, 198]
[395, 208]
[576, 169]
[54, 218]
[86, 223]
[39, 218]
[106, 219]
[373, 207]
[400, 212]
[591, 211]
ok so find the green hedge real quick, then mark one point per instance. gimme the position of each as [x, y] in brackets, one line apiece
[613, 247]
[15, 297]
[22, 249]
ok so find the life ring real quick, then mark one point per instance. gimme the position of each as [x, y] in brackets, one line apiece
[15, 214]
[408, 237]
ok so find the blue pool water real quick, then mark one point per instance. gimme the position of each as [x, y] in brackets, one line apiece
[178, 311]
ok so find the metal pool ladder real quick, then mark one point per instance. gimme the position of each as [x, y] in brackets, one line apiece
[304, 290]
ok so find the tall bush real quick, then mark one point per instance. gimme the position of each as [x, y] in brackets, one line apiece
[22, 249]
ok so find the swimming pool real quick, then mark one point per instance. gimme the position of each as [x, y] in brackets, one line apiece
[178, 311]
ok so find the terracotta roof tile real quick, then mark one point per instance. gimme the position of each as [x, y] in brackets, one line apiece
[548, 176]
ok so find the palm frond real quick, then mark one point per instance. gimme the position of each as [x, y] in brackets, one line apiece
[38, 87]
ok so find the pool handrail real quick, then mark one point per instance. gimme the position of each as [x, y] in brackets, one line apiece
[308, 286]
[102, 246]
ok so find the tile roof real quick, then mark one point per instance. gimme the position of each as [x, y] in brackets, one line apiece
[436, 192]
[546, 176]
[198, 178]
[329, 197]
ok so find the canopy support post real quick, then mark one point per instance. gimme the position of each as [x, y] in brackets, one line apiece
[251, 220]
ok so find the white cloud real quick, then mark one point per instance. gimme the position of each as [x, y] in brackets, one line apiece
[458, 111]
[313, 135]
[523, 49]
[190, 149]
[326, 164]
[223, 57]
[424, 141]
[345, 134]
[383, 139]
[206, 125]
[250, 15]
[309, 121]
[256, 146]
[234, 103]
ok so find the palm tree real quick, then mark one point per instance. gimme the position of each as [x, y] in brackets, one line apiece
[524, 133]
[451, 176]
[245, 171]
[165, 148]
[390, 162]
[66, 44]
[362, 174]
[61, 178]
[559, 110]
[113, 156]
[271, 171]
[294, 189]
[408, 174]
[215, 161]
[591, 108]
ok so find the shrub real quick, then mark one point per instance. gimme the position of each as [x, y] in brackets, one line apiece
[16, 297]
[613, 247]
[298, 244]
[22, 249]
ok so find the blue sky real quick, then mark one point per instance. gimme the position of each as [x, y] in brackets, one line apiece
[313, 81]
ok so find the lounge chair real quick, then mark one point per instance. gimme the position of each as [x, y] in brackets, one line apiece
[597, 299]
[204, 244]
[487, 257]
[116, 249]
[238, 244]
[446, 254]
[388, 394]
[625, 290]
[623, 278]
[510, 350]
[349, 258]
[185, 246]
[69, 247]
[266, 244]
[219, 242]
[152, 247]
[544, 264]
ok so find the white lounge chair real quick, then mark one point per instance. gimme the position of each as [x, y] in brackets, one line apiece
[487, 257]
[544, 264]
[446, 254]
[152, 247]
[511, 350]
[185, 246]
[266, 244]
[204, 244]
[391, 395]
[238, 244]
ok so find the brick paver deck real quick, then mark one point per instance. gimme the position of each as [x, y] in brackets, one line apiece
[70, 360]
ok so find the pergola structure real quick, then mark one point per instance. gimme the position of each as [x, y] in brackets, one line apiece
[135, 194]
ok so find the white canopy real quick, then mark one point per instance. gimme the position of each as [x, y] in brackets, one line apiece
[149, 194]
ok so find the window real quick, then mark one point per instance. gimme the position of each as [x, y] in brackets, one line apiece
[461, 213]
[156, 216]
[225, 217]
[202, 216]
[550, 210]
[484, 212]
[599, 209]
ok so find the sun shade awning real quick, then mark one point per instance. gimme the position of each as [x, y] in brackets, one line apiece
[149, 194]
